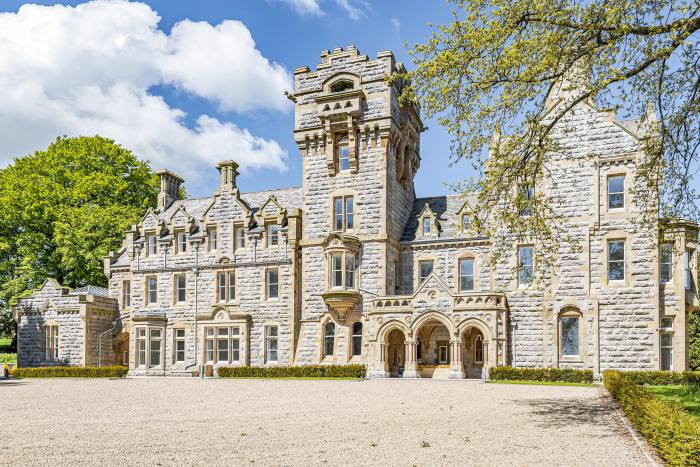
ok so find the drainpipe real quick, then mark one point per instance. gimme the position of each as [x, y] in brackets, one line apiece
[195, 271]
[99, 343]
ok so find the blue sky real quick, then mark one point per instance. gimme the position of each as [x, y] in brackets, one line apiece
[115, 91]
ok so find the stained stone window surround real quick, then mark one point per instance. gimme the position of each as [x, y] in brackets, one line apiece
[614, 238]
[571, 334]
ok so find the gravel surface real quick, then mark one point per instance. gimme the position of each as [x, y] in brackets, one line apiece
[187, 421]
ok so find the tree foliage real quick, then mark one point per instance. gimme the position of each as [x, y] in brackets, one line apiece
[63, 209]
[489, 72]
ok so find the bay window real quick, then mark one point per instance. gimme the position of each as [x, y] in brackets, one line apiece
[342, 270]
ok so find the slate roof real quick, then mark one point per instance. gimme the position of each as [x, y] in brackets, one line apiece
[90, 290]
[445, 208]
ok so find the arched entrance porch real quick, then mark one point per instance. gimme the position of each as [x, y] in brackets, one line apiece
[436, 351]
[475, 338]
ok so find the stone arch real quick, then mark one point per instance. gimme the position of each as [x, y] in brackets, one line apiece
[468, 323]
[389, 326]
[474, 331]
[433, 316]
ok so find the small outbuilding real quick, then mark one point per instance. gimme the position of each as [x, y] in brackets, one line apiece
[58, 326]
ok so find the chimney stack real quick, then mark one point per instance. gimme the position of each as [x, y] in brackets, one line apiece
[228, 172]
[169, 189]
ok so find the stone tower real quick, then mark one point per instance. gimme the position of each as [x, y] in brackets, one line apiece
[360, 153]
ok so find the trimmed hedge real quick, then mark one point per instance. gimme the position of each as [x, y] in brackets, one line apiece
[566, 375]
[671, 430]
[71, 372]
[311, 371]
[663, 378]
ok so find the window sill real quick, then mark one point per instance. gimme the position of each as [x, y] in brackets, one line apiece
[573, 359]
[617, 284]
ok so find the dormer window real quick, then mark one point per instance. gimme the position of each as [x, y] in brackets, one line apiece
[465, 223]
[426, 226]
[212, 239]
[152, 245]
[343, 149]
[181, 243]
[273, 235]
[342, 86]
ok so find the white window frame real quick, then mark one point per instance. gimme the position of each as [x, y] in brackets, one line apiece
[344, 218]
[126, 293]
[666, 261]
[51, 342]
[151, 245]
[228, 286]
[151, 341]
[180, 354]
[669, 348]
[343, 143]
[269, 338]
[466, 276]
[466, 223]
[149, 290]
[269, 284]
[238, 238]
[213, 239]
[570, 315]
[177, 288]
[615, 193]
[427, 225]
[273, 235]
[617, 261]
[181, 242]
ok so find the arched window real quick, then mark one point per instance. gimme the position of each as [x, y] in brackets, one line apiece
[342, 85]
[329, 339]
[356, 339]
[479, 349]
[569, 332]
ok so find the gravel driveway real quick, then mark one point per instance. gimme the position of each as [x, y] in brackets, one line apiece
[290, 422]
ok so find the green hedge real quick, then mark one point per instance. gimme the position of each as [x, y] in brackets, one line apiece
[71, 372]
[508, 373]
[311, 371]
[671, 430]
[662, 377]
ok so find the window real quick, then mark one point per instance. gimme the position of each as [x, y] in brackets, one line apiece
[273, 235]
[528, 195]
[343, 214]
[425, 268]
[328, 339]
[152, 245]
[179, 345]
[667, 323]
[616, 192]
[272, 283]
[181, 243]
[442, 353]
[569, 332]
[212, 239]
[336, 270]
[226, 286]
[666, 263]
[666, 339]
[154, 347]
[426, 226]
[616, 260]
[343, 153]
[342, 85]
[126, 294]
[222, 344]
[479, 350]
[51, 342]
[356, 339]
[151, 290]
[342, 270]
[465, 223]
[239, 238]
[526, 265]
[466, 274]
[349, 271]
[180, 288]
[271, 344]
[141, 347]
[688, 275]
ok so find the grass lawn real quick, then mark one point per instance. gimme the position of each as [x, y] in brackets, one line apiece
[542, 383]
[346, 378]
[5, 355]
[687, 396]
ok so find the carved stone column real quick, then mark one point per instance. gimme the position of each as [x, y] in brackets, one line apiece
[410, 368]
[456, 370]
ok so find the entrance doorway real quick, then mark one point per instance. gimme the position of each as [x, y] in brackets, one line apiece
[473, 353]
[434, 358]
[396, 353]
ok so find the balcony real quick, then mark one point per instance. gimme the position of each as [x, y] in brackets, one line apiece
[342, 302]
[460, 301]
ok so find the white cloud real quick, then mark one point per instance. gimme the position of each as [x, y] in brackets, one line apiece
[88, 69]
[356, 9]
[396, 23]
[305, 7]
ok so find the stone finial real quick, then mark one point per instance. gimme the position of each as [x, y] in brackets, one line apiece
[228, 172]
[169, 189]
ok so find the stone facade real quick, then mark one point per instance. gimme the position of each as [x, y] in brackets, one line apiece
[353, 268]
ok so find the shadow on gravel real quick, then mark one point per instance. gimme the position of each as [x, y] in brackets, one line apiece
[11, 382]
[559, 412]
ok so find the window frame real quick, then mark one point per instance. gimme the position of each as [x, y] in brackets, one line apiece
[228, 286]
[669, 263]
[466, 223]
[268, 284]
[272, 234]
[427, 227]
[239, 240]
[177, 289]
[343, 219]
[342, 141]
[151, 245]
[177, 340]
[669, 348]
[126, 293]
[616, 193]
[51, 338]
[269, 338]
[460, 275]
[147, 298]
[356, 339]
[328, 339]
[420, 262]
[212, 239]
[523, 279]
[570, 314]
[622, 261]
[180, 242]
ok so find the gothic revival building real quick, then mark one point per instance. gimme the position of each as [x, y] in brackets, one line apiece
[353, 268]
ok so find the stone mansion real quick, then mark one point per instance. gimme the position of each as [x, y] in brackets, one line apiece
[353, 268]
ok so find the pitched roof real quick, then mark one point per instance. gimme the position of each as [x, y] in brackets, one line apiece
[444, 207]
[90, 290]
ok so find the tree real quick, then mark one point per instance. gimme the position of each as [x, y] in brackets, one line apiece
[490, 71]
[63, 209]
